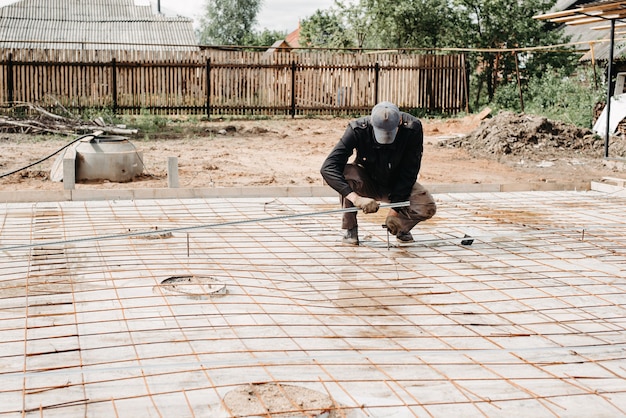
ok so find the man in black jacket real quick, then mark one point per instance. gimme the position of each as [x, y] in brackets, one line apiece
[389, 145]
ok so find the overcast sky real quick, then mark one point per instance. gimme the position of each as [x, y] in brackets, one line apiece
[281, 15]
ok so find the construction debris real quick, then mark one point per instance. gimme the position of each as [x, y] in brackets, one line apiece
[38, 120]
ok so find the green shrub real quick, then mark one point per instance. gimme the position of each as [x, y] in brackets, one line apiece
[146, 122]
[507, 98]
[106, 113]
[567, 98]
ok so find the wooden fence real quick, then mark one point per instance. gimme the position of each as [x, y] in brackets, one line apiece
[218, 82]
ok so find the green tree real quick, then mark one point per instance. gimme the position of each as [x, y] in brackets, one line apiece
[324, 28]
[358, 23]
[265, 38]
[228, 22]
[496, 26]
[411, 23]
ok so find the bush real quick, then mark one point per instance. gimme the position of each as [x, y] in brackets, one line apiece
[106, 113]
[570, 98]
[507, 98]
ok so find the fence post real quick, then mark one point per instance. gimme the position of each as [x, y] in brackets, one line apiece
[208, 88]
[376, 76]
[519, 82]
[466, 74]
[114, 84]
[10, 79]
[293, 89]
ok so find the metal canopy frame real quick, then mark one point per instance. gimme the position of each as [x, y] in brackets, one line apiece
[591, 13]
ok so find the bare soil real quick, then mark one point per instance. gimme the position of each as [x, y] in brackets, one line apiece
[502, 149]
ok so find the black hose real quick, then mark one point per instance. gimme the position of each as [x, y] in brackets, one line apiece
[45, 158]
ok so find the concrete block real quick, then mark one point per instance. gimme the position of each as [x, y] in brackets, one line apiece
[172, 173]
[69, 169]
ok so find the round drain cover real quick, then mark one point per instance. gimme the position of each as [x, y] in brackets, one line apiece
[280, 401]
[196, 287]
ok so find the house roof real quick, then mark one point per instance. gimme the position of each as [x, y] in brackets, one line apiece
[588, 24]
[293, 38]
[291, 41]
[94, 24]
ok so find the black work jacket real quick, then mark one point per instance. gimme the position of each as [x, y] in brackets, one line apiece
[393, 167]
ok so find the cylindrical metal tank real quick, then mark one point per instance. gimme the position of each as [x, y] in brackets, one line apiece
[112, 158]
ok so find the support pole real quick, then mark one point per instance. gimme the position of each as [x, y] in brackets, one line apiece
[293, 89]
[376, 79]
[519, 81]
[610, 90]
[593, 64]
[208, 88]
[114, 84]
[10, 82]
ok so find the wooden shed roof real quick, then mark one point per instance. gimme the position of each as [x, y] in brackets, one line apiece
[594, 12]
[589, 24]
[94, 24]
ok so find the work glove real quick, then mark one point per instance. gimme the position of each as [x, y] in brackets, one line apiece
[393, 224]
[366, 204]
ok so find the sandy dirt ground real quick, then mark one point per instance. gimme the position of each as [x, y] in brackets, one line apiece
[289, 152]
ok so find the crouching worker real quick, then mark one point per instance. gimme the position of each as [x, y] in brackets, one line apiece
[389, 145]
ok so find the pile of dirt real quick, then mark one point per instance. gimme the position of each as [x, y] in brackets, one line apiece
[533, 138]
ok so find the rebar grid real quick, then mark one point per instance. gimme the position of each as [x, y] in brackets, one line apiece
[530, 317]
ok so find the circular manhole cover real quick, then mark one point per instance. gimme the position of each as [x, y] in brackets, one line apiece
[196, 287]
[280, 401]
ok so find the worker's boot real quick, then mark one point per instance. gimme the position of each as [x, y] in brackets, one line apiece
[352, 236]
[404, 237]
[394, 226]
